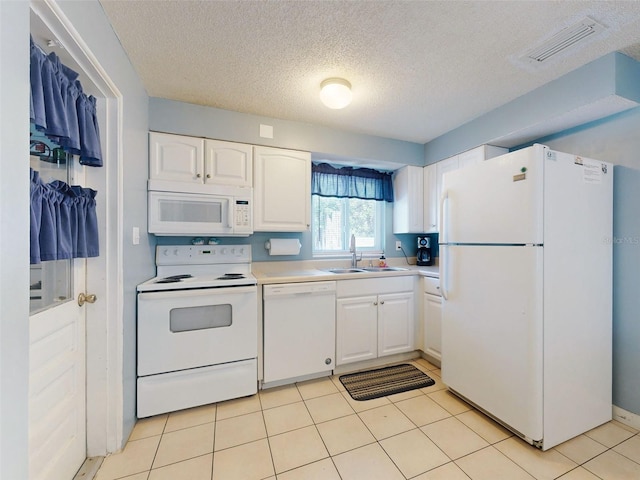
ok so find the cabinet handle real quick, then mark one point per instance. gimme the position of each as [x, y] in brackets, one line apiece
[382, 303]
[375, 303]
[208, 175]
[198, 175]
[328, 361]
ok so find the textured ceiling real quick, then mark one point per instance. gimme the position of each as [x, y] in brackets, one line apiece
[418, 68]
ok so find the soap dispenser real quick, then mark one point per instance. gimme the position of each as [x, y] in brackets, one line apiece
[382, 262]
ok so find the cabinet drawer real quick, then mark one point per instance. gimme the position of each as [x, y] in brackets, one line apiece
[431, 285]
[374, 286]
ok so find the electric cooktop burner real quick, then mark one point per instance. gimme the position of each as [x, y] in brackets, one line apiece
[231, 276]
[173, 278]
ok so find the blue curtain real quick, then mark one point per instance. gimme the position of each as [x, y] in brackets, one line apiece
[64, 223]
[61, 110]
[348, 182]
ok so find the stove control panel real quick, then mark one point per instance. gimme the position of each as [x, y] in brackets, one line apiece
[202, 254]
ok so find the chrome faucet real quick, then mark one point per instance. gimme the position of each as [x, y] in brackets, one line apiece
[354, 255]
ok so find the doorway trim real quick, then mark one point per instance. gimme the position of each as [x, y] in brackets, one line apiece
[104, 342]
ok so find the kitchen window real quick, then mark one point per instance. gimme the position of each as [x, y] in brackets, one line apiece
[348, 201]
[335, 219]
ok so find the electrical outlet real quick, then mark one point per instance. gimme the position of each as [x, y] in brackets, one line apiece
[398, 245]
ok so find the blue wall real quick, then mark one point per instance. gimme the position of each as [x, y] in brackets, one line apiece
[626, 301]
[260, 254]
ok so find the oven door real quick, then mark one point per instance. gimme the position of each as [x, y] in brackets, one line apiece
[183, 329]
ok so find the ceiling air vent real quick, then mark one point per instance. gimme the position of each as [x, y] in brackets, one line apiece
[565, 38]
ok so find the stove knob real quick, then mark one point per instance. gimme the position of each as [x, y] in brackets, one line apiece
[165, 252]
[233, 251]
[223, 251]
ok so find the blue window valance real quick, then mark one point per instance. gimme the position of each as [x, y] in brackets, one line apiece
[348, 182]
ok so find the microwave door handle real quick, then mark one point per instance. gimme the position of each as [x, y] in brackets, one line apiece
[230, 214]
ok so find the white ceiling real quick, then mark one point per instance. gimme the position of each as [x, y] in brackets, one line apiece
[418, 68]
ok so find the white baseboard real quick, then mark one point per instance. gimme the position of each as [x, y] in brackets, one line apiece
[628, 418]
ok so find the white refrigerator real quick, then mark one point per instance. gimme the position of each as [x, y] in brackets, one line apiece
[525, 273]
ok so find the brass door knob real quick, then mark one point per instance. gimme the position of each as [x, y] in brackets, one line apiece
[84, 298]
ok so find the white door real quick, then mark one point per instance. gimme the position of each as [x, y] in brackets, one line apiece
[432, 324]
[57, 358]
[356, 329]
[395, 323]
[282, 190]
[228, 163]
[498, 201]
[176, 158]
[57, 396]
[492, 330]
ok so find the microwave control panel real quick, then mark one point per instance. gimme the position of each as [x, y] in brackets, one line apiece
[243, 213]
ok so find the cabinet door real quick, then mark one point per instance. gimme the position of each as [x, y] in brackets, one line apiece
[443, 167]
[432, 322]
[282, 190]
[228, 163]
[176, 158]
[408, 200]
[396, 323]
[471, 157]
[430, 199]
[356, 329]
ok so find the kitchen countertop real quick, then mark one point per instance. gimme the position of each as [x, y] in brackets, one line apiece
[316, 271]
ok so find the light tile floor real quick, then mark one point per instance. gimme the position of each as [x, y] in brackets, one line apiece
[315, 431]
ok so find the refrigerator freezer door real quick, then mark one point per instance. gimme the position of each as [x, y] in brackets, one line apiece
[498, 201]
[492, 331]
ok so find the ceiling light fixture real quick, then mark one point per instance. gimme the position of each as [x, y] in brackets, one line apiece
[335, 93]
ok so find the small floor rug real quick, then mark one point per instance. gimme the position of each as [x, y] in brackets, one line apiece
[385, 381]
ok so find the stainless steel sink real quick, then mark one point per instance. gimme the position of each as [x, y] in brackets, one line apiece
[365, 269]
[383, 269]
[345, 270]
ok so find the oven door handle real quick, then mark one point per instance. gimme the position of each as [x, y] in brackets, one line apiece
[196, 292]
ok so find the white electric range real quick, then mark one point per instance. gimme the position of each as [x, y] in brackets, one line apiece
[197, 328]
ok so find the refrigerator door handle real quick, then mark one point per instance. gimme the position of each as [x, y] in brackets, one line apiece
[443, 198]
[443, 268]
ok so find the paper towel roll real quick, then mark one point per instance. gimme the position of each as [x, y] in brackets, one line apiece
[283, 246]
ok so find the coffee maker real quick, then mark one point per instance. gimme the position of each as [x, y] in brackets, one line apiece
[423, 255]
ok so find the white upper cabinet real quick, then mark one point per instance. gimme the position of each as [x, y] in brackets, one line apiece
[281, 190]
[408, 200]
[430, 198]
[479, 154]
[228, 163]
[176, 159]
[434, 177]
[447, 165]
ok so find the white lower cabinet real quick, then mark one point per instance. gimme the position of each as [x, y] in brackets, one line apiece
[395, 323]
[432, 318]
[370, 324]
[357, 329]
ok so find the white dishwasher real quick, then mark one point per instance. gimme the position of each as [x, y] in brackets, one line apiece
[299, 330]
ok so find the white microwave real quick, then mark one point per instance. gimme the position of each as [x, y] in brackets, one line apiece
[186, 214]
